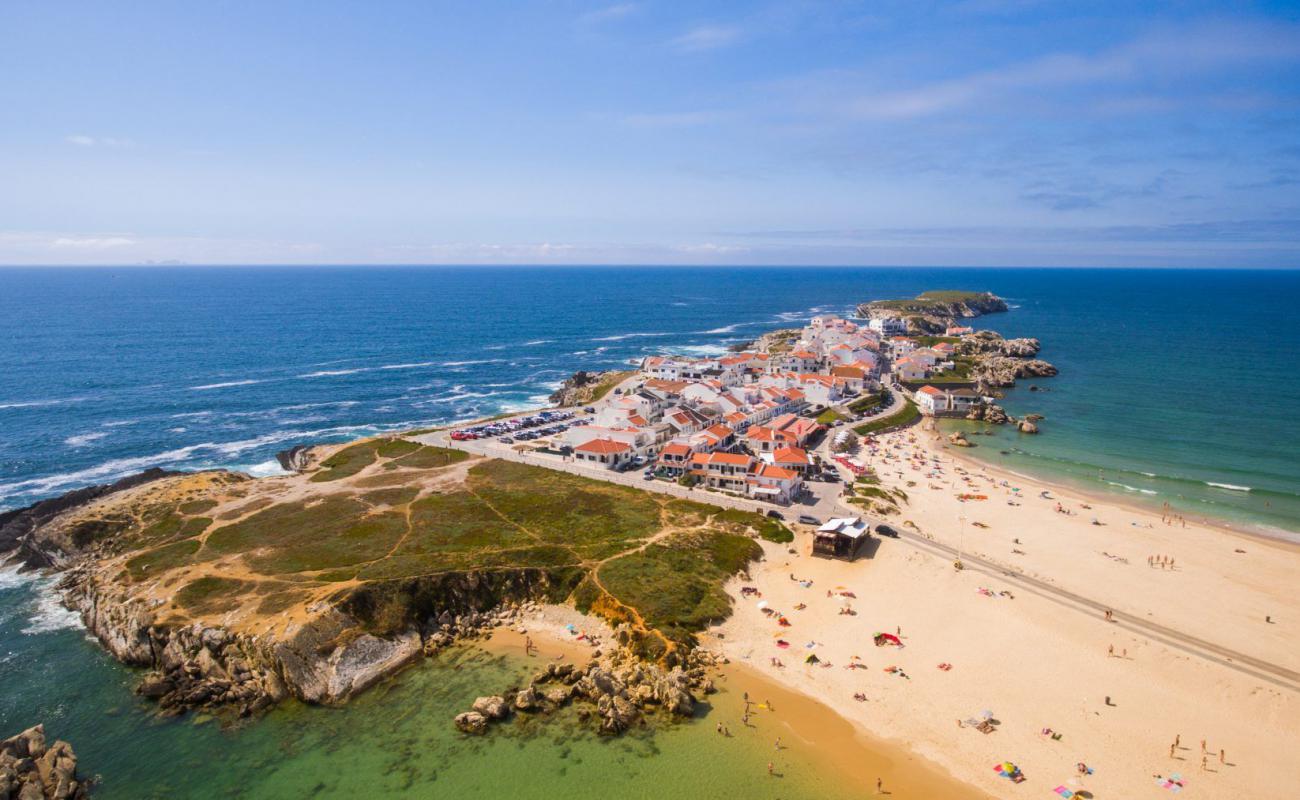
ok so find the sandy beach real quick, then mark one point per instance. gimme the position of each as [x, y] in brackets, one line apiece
[813, 735]
[1039, 654]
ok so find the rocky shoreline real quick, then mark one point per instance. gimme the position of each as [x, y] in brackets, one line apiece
[616, 691]
[933, 312]
[359, 637]
[31, 769]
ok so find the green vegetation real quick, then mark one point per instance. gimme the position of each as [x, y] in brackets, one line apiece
[865, 404]
[829, 417]
[676, 586]
[652, 560]
[904, 416]
[348, 461]
[428, 457]
[607, 383]
[931, 341]
[930, 302]
[211, 595]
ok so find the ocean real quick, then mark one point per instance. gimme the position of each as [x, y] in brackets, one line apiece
[1175, 386]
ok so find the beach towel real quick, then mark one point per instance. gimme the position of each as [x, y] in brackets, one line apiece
[1064, 792]
[1173, 783]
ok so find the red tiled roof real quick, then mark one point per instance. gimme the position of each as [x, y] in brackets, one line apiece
[603, 446]
[676, 449]
[930, 390]
[790, 455]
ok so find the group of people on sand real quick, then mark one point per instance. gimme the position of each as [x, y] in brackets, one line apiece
[1205, 752]
[1168, 517]
[1164, 562]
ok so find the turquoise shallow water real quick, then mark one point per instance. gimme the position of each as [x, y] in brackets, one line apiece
[394, 741]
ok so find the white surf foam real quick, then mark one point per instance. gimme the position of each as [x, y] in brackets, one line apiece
[620, 337]
[330, 373]
[225, 385]
[83, 439]
[1229, 486]
[265, 469]
[49, 615]
[40, 403]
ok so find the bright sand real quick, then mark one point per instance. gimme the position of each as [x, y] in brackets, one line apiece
[1039, 661]
[814, 739]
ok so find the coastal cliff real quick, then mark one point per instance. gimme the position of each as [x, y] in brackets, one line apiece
[236, 593]
[933, 312]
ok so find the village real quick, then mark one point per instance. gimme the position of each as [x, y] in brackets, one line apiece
[751, 423]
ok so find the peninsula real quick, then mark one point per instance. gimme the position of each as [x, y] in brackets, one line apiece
[789, 507]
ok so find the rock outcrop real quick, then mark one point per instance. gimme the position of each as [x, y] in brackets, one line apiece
[989, 412]
[992, 343]
[1000, 371]
[31, 769]
[616, 692]
[581, 387]
[959, 439]
[17, 526]
[295, 459]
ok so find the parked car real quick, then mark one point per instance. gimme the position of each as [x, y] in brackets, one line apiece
[774, 514]
[807, 520]
[507, 440]
[885, 530]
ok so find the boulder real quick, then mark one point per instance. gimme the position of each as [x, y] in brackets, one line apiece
[493, 707]
[526, 699]
[471, 722]
[1028, 427]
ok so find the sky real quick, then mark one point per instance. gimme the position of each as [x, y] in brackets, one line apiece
[974, 132]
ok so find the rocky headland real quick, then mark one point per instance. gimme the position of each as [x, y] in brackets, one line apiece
[933, 312]
[233, 593]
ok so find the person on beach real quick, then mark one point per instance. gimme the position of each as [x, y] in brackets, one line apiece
[1203, 767]
[1171, 751]
[1110, 651]
[1223, 759]
[529, 647]
[879, 784]
[769, 768]
[778, 743]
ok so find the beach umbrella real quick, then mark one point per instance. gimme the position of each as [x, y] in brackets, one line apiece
[986, 714]
[762, 604]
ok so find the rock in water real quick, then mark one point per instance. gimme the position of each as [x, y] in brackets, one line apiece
[30, 770]
[493, 707]
[471, 722]
[1028, 427]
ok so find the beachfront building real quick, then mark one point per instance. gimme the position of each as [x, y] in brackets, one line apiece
[608, 453]
[840, 538]
[931, 401]
[791, 458]
[675, 458]
[777, 484]
[962, 400]
[728, 472]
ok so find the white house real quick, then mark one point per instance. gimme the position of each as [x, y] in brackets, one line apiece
[888, 326]
[931, 401]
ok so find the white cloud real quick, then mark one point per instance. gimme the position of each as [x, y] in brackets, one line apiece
[706, 37]
[82, 140]
[91, 242]
[608, 14]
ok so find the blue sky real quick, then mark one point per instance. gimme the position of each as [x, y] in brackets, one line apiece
[983, 132]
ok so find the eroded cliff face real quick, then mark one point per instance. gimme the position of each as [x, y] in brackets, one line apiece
[347, 644]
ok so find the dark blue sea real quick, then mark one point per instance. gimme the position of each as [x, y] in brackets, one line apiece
[1178, 386]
